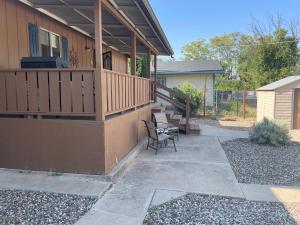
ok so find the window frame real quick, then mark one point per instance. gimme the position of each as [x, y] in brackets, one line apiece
[50, 42]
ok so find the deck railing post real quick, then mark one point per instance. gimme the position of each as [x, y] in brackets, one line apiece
[187, 116]
[100, 79]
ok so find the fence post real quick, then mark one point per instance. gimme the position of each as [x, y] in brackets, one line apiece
[187, 115]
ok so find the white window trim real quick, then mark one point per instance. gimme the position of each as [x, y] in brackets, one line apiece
[50, 41]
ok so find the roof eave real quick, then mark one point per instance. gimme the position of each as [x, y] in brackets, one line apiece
[158, 26]
[191, 72]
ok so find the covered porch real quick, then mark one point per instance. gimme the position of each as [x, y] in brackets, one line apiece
[82, 119]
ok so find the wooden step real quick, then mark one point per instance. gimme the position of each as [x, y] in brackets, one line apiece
[158, 109]
[169, 114]
[194, 128]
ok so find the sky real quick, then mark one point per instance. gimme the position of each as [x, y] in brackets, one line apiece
[184, 21]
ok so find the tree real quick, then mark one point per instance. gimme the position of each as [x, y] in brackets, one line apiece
[196, 50]
[269, 58]
[225, 49]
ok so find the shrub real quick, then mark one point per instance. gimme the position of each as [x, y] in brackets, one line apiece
[269, 132]
[195, 95]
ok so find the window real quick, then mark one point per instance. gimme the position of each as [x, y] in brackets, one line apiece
[50, 44]
[107, 60]
[162, 80]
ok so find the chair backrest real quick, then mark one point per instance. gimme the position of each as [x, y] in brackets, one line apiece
[151, 129]
[161, 120]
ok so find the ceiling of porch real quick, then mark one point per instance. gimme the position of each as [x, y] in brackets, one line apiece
[80, 14]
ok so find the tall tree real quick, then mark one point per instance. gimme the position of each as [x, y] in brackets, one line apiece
[225, 49]
[269, 58]
[196, 50]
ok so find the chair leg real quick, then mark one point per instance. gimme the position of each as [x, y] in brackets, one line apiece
[156, 148]
[174, 144]
[148, 144]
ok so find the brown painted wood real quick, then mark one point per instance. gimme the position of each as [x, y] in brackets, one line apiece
[2, 93]
[3, 36]
[43, 91]
[12, 34]
[133, 53]
[54, 92]
[113, 92]
[66, 94]
[297, 109]
[117, 91]
[21, 86]
[88, 97]
[11, 92]
[32, 91]
[109, 90]
[77, 92]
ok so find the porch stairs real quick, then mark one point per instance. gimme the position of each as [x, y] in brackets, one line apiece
[184, 123]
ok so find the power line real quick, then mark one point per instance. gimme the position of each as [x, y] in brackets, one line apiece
[245, 45]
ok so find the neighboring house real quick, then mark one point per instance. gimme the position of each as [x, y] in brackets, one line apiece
[280, 101]
[201, 74]
[87, 117]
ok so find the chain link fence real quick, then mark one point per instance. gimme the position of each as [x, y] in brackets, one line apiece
[230, 103]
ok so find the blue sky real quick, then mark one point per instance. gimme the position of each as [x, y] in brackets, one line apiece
[186, 20]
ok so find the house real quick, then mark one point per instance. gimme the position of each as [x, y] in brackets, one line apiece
[85, 115]
[280, 101]
[201, 74]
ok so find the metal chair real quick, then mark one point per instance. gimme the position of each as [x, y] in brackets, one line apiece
[162, 123]
[154, 139]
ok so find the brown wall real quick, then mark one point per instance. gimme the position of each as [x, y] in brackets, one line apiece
[62, 145]
[123, 133]
[69, 145]
[14, 19]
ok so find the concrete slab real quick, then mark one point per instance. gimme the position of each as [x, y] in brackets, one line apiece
[162, 195]
[195, 140]
[128, 200]
[66, 183]
[258, 192]
[221, 132]
[208, 178]
[99, 217]
[198, 153]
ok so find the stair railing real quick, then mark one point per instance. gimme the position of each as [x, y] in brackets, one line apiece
[185, 106]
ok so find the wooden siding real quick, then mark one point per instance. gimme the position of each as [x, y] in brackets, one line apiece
[14, 19]
[284, 107]
[265, 104]
[297, 109]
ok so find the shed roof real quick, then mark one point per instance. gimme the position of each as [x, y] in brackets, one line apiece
[189, 67]
[280, 83]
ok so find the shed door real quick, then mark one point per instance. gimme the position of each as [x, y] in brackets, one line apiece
[297, 109]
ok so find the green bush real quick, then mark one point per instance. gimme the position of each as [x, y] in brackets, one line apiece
[195, 95]
[269, 132]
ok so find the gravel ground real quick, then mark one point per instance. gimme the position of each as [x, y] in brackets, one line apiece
[197, 209]
[41, 208]
[262, 164]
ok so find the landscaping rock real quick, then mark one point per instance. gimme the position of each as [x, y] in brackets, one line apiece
[264, 164]
[33, 207]
[197, 209]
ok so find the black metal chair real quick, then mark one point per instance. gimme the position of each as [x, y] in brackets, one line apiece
[155, 140]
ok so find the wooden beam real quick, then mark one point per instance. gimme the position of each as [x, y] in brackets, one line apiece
[155, 77]
[133, 53]
[129, 25]
[100, 87]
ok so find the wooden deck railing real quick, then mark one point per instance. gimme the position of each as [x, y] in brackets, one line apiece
[124, 92]
[68, 92]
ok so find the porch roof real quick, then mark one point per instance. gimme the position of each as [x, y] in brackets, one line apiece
[79, 14]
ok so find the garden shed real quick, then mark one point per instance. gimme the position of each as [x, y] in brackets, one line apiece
[280, 101]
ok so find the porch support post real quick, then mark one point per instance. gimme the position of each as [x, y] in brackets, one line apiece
[155, 76]
[133, 53]
[133, 66]
[100, 88]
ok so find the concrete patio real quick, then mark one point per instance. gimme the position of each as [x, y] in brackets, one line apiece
[199, 166]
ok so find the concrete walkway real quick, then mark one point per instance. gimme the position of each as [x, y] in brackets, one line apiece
[200, 166]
